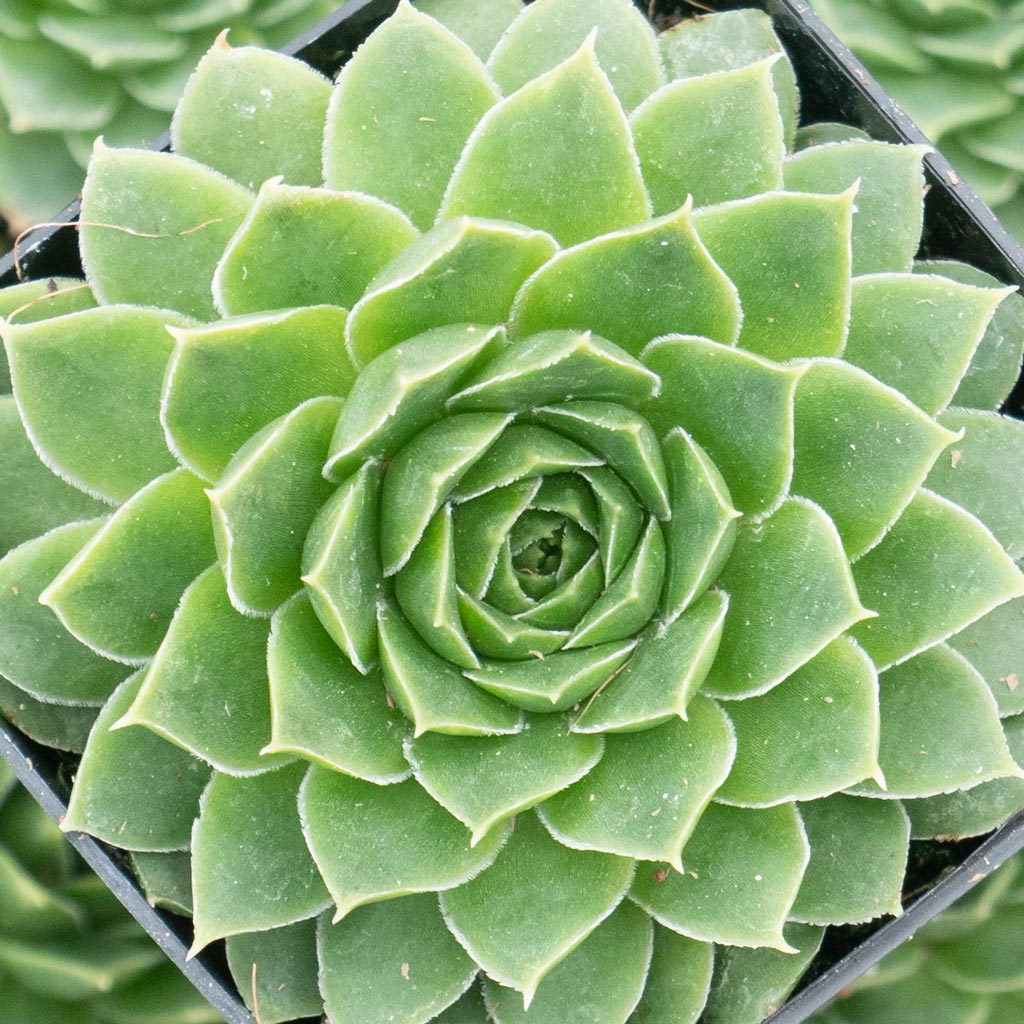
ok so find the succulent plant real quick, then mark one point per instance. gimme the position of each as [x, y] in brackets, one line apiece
[957, 68]
[527, 538]
[961, 968]
[69, 952]
[74, 69]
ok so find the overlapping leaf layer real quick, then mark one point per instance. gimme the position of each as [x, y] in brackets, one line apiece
[531, 572]
[74, 69]
[957, 68]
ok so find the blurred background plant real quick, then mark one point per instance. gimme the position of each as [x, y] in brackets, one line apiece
[957, 68]
[74, 69]
[69, 952]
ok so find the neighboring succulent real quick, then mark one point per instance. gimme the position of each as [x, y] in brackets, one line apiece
[542, 589]
[74, 69]
[69, 952]
[962, 968]
[957, 68]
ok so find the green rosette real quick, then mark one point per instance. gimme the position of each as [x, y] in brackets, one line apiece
[528, 574]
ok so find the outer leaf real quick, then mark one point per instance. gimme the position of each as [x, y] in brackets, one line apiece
[306, 247]
[890, 197]
[706, 385]
[435, 282]
[261, 856]
[110, 42]
[374, 843]
[937, 570]
[257, 544]
[815, 733]
[41, 500]
[649, 790]
[940, 729]
[120, 590]
[62, 726]
[599, 982]
[678, 980]
[789, 257]
[862, 450]
[780, 616]
[484, 780]
[479, 25]
[845, 833]
[276, 971]
[714, 137]
[251, 114]
[227, 380]
[667, 668]
[322, 709]
[633, 285]
[401, 113]
[36, 653]
[154, 226]
[207, 689]
[978, 477]
[534, 905]
[918, 333]
[739, 900]
[64, 372]
[564, 126]
[994, 645]
[394, 961]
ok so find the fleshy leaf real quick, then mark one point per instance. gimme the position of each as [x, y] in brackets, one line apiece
[64, 372]
[542, 37]
[862, 450]
[229, 379]
[374, 843]
[36, 653]
[940, 729]
[791, 594]
[322, 709]
[714, 137]
[649, 789]
[260, 545]
[678, 980]
[705, 385]
[846, 833]
[41, 501]
[307, 247]
[134, 789]
[936, 571]
[431, 691]
[494, 634]
[276, 971]
[207, 688]
[110, 42]
[63, 726]
[154, 226]
[392, 961]
[118, 593]
[632, 286]
[739, 900]
[484, 780]
[566, 126]
[556, 682]
[261, 855]
[985, 963]
[788, 255]
[480, 24]
[252, 114]
[917, 333]
[994, 645]
[534, 905]
[890, 196]
[981, 471]
[551, 365]
[599, 982]
[667, 668]
[341, 566]
[166, 880]
[813, 734]
[401, 113]
[435, 282]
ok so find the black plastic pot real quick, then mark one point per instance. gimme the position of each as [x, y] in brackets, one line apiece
[835, 87]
